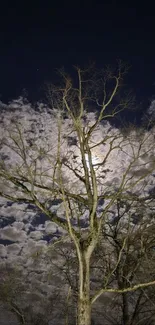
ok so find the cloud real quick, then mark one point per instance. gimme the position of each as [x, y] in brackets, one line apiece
[32, 246]
[3, 251]
[12, 234]
[17, 211]
[151, 110]
[36, 235]
[18, 225]
[14, 249]
[50, 227]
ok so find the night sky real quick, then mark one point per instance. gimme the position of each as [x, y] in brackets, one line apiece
[39, 36]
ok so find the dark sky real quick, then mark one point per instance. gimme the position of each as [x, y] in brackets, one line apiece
[38, 36]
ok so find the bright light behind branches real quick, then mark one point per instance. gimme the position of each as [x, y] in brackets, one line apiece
[95, 160]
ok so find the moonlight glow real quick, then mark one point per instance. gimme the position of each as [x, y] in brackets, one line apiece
[95, 160]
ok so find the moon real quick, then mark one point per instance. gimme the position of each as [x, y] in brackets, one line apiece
[95, 160]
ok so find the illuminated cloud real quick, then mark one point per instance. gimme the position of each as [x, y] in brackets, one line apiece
[24, 231]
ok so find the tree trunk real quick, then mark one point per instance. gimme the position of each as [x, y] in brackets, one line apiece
[84, 311]
[84, 304]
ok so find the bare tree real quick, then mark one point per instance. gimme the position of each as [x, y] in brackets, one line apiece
[76, 168]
